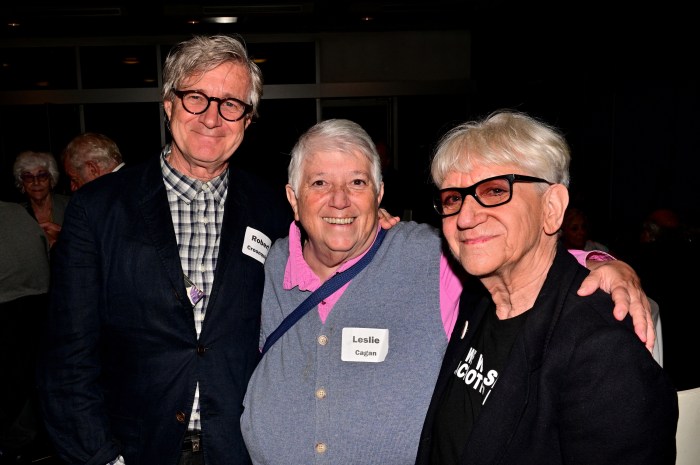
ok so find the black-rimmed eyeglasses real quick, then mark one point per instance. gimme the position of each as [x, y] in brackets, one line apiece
[230, 109]
[489, 192]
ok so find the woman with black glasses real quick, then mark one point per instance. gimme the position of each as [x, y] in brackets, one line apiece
[534, 372]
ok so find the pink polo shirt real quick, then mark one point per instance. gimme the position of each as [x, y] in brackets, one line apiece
[299, 274]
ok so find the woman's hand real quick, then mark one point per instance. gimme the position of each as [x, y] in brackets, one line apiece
[51, 230]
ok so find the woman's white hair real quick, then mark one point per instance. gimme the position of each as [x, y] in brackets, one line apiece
[504, 137]
[29, 160]
[334, 135]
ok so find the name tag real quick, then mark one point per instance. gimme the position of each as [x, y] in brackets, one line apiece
[364, 345]
[193, 292]
[256, 244]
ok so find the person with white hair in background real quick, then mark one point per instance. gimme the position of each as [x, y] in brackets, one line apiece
[36, 175]
[89, 156]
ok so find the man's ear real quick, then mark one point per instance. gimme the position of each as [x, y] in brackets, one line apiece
[168, 108]
[292, 199]
[556, 199]
[93, 168]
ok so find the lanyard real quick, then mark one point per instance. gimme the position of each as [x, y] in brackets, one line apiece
[329, 287]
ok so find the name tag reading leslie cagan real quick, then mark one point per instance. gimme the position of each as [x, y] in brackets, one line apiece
[364, 345]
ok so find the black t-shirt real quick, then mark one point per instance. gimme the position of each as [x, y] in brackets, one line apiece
[474, 377]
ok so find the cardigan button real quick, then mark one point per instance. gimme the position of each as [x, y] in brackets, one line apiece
[201, 349]
[320, 393]
[321, 448]
[180, 417]
[323, 340]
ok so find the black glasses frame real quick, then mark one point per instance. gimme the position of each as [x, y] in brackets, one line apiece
[247, 107]
[471, 190]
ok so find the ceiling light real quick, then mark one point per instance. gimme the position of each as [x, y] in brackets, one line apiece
[222, 19]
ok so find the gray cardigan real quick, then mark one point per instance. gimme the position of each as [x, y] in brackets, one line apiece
[306, 405]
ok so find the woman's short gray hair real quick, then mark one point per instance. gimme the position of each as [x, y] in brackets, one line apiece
[334, 135]
[28, 160]
[504, 137]
[200, 54]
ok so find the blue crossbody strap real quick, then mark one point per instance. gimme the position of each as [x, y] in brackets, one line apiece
[329, 287]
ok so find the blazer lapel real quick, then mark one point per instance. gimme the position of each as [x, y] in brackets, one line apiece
[473, 304]
[158, 222]
[232, 232]
[501, 414]
[518, 383]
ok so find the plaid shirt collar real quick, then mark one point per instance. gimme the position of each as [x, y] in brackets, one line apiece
[186, 188]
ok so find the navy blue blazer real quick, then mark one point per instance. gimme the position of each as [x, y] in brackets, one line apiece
[579, 387]
[122, 359]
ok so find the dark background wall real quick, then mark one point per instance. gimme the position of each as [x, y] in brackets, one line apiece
[618, 80]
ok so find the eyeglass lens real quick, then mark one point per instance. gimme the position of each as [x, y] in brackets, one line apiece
[41, 176]
[489, 193]
[197, 103]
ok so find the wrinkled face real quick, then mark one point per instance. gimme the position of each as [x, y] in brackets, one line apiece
[36, 183]
[486, 240]
[207, 140]
[336, 205]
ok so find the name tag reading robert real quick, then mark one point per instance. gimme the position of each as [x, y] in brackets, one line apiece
[364, 345]
[256, 244]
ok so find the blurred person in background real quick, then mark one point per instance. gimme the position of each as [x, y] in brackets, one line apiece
[24, 284]
[576, 231]
[89, 156]
[36, 175]
[666, 258]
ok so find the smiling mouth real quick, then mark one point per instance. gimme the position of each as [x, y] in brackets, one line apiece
[338, 220]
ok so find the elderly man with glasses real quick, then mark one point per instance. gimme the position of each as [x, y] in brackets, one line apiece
[155, 307]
